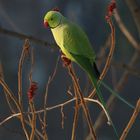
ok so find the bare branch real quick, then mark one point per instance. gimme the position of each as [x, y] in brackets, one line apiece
[54, 107]
[84, 106]
[135, 11]
[62, 116]
[109, 58]
[125, 31]
[21, 61]
[131, 121]
[23, 37]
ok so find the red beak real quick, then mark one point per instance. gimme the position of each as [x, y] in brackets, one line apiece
[46, 24]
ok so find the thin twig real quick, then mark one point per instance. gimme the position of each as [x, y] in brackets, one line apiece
[104, 110]
[131, 121]
[6, 95]
[21, 61]
[9, 92]
[76, 113]
[23, 37]
[110, 55]
[62, 117]
[109, 58]
[11, 95]
[133, 5]
[75, 121]
[33, 120]
[51, 108]
[32, 65]
[84, 106]
[46, 96]
[125, 31]
[44, 123]
[37, 132]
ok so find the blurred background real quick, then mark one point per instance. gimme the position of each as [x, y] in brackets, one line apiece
[26, 17]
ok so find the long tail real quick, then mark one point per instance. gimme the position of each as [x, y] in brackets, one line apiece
[97, 75]
[94, 76]
[116, 95]
[94, 82]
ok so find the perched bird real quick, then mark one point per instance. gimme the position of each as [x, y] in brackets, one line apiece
[75, 45]
[73, 42]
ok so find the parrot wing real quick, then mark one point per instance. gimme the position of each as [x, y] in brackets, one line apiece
[75, 41]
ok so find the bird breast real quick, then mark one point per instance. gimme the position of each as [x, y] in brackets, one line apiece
[59, 38]
[57, 34]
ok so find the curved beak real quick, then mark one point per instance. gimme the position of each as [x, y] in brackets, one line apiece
[46, 24]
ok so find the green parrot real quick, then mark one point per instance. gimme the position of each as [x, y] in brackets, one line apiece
[73, 42]
[76, 46]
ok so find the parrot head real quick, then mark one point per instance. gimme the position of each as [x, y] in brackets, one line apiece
[52, 19]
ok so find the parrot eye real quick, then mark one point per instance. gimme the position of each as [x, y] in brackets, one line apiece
[51, 19]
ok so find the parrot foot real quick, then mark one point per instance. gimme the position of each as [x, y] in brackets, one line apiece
[66, 61]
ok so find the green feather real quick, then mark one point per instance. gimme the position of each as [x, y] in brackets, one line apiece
[76, 41]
